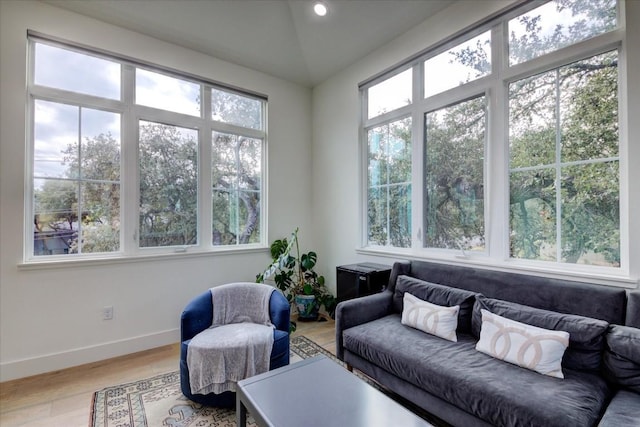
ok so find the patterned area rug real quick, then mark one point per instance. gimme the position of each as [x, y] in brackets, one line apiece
[158, 401]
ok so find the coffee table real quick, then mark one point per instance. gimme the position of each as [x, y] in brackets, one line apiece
[317, 392]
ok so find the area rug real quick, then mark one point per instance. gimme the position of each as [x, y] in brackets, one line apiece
[158, 401]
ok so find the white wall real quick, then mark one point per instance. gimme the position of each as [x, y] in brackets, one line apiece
[50, 318]
[336, 118]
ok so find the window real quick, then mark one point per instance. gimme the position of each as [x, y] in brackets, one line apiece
[168, 169]
[454, 171]
[228, 107]
[95, 117]
[564, 177]
[517, 155]
[236, 170]
[455, 67]
[167, 93]
[390, 94]
[389, 184]
[557, 24]
[76, 179]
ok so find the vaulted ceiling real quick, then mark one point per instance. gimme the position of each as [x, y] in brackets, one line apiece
[283, 38]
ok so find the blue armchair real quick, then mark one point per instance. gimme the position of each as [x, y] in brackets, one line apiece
[198, 316]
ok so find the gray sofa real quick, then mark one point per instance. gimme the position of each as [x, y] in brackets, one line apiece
[464, 387]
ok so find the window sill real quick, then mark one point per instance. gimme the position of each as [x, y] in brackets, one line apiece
[61, 262]
[607, 278]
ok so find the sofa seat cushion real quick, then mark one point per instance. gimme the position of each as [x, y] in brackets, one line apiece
[497, 392]
[622, 411]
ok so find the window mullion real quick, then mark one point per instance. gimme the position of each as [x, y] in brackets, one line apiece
[79, 186]
[129, 179]
[558, 170]
[205, 185]
[417, 160]
[497, 151]
[364, 165]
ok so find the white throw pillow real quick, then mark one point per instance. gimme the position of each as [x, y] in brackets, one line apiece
[530, 347]
[430, 318]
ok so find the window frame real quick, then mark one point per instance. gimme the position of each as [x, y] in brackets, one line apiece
[131, 114]
[495, 87]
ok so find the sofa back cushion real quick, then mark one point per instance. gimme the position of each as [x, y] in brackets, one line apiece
[436, 294]
[564, 296]
[586, 335]
[622, 356]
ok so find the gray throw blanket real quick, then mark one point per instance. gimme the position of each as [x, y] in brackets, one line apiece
[239, 342]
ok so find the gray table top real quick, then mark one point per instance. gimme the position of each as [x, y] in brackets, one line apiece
[318, 392]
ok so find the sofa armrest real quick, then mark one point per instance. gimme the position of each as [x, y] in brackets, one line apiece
[358, 311]
[633, 309]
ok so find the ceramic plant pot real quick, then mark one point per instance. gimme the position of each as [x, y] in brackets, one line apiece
[307, 306]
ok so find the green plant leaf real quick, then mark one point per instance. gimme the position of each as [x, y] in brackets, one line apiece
[308, 261]
[278, 247]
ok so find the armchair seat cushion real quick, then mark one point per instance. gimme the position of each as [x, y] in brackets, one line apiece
[280, 348]
[220, 356]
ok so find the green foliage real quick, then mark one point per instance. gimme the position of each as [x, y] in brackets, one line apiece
[236, 177]
[293, 272]
[455, 176]
[389, 182]
[561, 209]
[90, 210]
[168, 186]
[589, 193]
[168, 191]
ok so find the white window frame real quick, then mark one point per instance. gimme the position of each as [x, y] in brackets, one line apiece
[131, 114]
[495, 88]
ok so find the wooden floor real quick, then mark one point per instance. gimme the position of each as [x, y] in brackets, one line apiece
[63, 398]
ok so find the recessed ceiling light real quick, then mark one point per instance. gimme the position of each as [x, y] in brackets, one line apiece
[320, 9]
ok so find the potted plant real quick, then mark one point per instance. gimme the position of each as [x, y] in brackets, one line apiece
[293, 273]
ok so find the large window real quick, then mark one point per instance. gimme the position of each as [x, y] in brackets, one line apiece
[389, 184]
[454, 176]
[516, 153]
[564, 174]
[118, 162]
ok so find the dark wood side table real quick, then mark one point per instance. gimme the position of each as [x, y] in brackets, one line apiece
[318, 392]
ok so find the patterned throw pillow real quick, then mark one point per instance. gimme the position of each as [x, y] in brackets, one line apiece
[434, 293]
[430, 318]
[530, 347]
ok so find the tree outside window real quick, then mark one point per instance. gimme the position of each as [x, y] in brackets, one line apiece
[560, 130]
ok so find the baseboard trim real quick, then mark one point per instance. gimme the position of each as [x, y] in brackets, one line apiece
[80, 356]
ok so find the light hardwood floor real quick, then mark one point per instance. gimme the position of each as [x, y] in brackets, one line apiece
[63, 398]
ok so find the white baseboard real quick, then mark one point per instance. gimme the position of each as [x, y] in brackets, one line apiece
[79, 356]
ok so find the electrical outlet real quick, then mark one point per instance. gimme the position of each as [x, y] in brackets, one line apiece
[107, 312]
